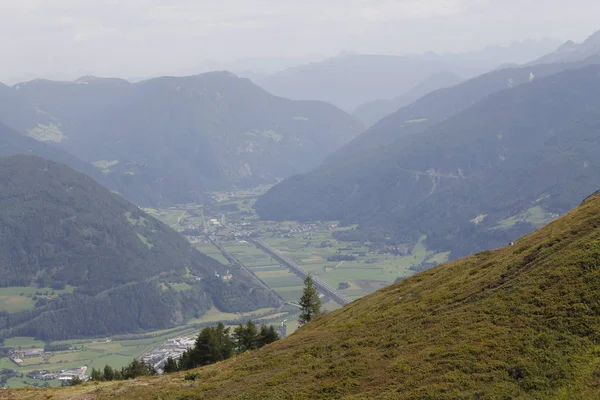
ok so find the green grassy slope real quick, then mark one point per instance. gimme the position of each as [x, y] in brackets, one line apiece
[519, 322]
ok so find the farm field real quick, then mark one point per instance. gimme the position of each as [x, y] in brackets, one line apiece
[366, 274]
[169, 216]
[211, 251]
[308, 246]
[16, 299]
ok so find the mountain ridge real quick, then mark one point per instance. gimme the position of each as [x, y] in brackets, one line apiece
[571, 51]
[211, 131]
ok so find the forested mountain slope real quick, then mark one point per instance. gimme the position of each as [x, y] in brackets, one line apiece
[179, 137]
[521, 322]
[464, 182]
[59, 228]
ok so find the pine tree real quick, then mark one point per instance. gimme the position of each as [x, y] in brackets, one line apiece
[76, 381]
[246, 337]
[171, 365]
[226, 344]
[96, 375]
[251, 336]
[310, 302]
[267, 335]
[109, 373]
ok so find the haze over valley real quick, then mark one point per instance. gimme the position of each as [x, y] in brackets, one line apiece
[343, 200]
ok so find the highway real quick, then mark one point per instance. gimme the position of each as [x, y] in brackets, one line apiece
[323, 287]
[236, 263]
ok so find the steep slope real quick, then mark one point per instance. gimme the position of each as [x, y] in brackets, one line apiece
[571, 51]
[371, 113]
[466, 182]
[59, 228]
[183, 136]
[521, 322]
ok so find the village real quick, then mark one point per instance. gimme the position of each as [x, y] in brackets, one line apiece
[65, 376]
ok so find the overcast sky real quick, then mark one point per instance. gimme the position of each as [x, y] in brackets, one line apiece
[149, 37]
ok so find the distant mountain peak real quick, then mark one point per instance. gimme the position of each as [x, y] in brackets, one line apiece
[593, 39]
[87, 79]
[91, 79]
[571, 51]
[568, 45]
[224, 74]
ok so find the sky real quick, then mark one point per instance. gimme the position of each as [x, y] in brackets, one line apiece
[142, 38]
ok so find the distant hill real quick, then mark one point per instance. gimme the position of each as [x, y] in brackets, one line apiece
[350, 80]
[468, 183]
[520, 322]
[129, 272]
[371, 113]
[571, 51]
[178, 137]
[135, 182]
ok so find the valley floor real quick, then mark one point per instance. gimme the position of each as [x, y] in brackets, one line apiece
[355, 270]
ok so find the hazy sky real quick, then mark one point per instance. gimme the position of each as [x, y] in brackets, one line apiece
[148, 37]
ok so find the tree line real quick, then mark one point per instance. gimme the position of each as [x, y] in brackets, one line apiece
[218, 343]
[135, 369]
[212, 345]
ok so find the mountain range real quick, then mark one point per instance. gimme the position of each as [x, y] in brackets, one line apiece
[468, 179]
[350, 80]
[168, 140]
[114, 268]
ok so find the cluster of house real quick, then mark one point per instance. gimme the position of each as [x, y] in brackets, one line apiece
[65, 376]
[173, 348]
[308, 228]
[18, 356]
[226, 277]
